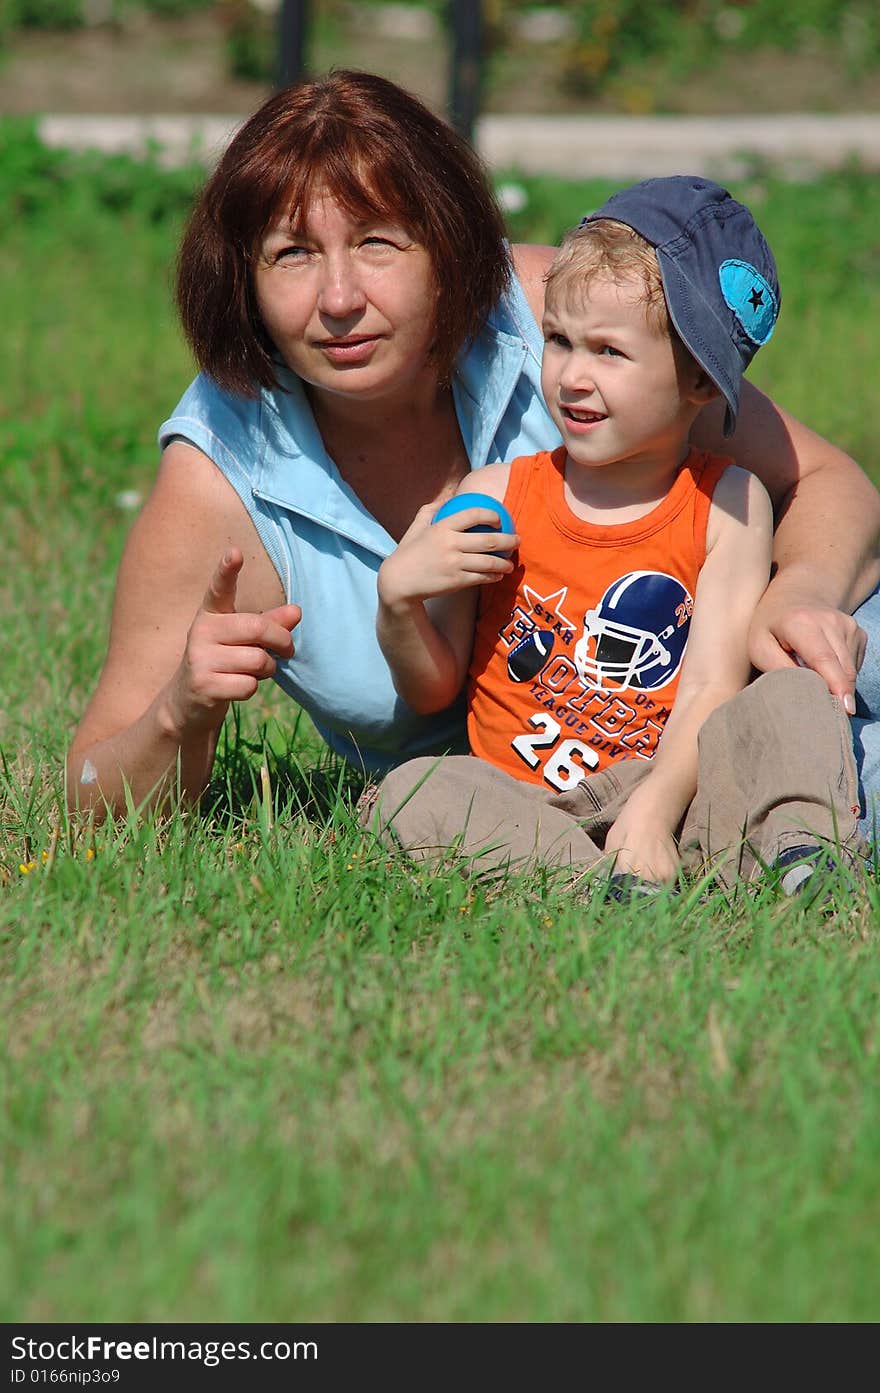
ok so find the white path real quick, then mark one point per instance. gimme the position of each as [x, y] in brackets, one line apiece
[574, 146]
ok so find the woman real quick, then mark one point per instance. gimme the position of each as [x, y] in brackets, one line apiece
[364, 341]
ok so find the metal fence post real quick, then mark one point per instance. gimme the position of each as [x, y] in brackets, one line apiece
[292, 26]
[467, 63]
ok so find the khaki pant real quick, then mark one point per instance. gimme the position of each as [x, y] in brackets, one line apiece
[776, 770]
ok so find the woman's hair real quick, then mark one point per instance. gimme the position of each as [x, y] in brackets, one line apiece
[613, 251]
[380, 153]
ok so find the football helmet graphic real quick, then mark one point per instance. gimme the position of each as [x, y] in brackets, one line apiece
[636, 635]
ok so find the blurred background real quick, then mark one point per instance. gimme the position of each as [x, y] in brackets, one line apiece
[572, 56]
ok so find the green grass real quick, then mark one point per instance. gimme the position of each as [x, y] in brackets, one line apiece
[253, 1069]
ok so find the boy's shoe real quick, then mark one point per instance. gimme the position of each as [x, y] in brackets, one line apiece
[795, 867]
[626, 888]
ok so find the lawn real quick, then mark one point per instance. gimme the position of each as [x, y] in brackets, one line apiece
[255, 1070]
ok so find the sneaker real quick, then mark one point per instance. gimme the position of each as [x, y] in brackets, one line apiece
[795, 866]
[626, 888]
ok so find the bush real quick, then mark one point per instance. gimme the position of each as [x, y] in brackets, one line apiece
[251, 41]
[173, 9]
[37, 182]
[615, 35]
[70, 14]
[47, 14]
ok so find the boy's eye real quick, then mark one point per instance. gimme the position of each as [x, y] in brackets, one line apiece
[610, 351]
[558, 340]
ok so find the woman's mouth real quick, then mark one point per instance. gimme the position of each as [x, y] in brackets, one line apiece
[354, 349]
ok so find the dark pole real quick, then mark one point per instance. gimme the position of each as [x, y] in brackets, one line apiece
[466, 76]
[292, 24]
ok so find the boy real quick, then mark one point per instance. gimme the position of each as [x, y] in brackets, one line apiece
[597, 655]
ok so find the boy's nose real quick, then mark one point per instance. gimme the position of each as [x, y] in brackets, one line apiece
[576, 375]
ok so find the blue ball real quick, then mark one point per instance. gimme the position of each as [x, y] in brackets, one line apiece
[476, 500]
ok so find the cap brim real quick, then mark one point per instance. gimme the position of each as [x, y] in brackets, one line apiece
[689, 311]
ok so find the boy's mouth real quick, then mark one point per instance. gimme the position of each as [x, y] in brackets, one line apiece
[582, 418]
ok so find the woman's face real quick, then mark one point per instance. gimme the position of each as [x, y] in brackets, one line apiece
[350, 305]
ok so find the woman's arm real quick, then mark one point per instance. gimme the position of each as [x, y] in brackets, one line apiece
[197, 617]
[825, 547]
[716, 666]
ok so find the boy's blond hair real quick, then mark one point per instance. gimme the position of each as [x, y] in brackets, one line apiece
[614, 251]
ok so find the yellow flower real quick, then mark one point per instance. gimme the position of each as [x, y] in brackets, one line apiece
[26, 867]
[90, 854]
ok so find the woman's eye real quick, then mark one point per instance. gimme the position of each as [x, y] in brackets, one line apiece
[292, 253]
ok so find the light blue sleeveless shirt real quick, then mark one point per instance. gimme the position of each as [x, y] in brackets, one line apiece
[327, 548]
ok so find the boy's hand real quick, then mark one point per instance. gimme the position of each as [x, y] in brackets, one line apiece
[644, 846]
[442, 558]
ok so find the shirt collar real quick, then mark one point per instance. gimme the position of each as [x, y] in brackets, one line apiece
[485, 379]
[296, 472]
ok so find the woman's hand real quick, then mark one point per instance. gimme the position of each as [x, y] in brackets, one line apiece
[227, 654]
[444, 557]
[791, 628]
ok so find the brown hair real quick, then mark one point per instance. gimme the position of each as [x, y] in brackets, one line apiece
[610, 249]
[379, 152]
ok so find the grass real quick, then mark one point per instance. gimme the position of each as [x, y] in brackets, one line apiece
[255, 1070]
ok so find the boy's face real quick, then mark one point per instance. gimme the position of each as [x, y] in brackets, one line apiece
[614, 383]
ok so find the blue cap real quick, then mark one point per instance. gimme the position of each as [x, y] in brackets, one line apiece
[719, 275]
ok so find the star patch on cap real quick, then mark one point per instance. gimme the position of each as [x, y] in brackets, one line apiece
[751, 298]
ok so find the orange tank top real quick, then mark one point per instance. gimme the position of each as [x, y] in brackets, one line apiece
[577, 653]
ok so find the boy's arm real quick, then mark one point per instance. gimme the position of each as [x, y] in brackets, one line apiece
[428, 596]
[716, 666]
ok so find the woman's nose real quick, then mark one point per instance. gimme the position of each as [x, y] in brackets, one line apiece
[340, 293]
